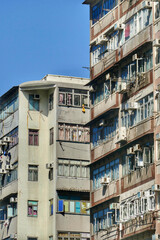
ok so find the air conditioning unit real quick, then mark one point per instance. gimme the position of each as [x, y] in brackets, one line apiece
[101, 123]
[131, 106]
[108, 76]
[92, 89]
[156, 188]
[101, 39]
[146, 4]
[36, 97]
[105, 180]
[13, 236]
[137, 148]
[156, 43]
[3, 171]
[119, 26]
[121, 135]
[114, 206]
[7, 139]
[122, 87]
[49, 165]
[8, 167]
[130, 151]
[140, 163]
[13, 200]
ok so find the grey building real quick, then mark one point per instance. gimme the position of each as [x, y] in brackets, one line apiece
[44, 172]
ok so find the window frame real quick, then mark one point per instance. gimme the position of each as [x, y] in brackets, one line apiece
[32, 133]
[32, 205]
[33, 176]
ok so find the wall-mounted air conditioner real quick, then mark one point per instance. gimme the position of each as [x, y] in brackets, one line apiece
[105, 180]
[101, 39]
[121, 135]
[137, 148]
[131, 106]
[140, 163]
[8, 167]
[13, 236]
[3, 171]
[36, 97]
[108, 76]
[156, 43]
[49, 165]
[146, 4]
[122, 87]
[156, 188]
[119, 26]
[130, 151]
[7, 139]
[13, 200]
[114, 206]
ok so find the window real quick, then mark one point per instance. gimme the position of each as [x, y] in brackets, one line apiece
[51, 136]
[73, 133]
[73, 206]
[73, 168]
[51, 101]
[9, 105]
[8, 177]
[32, 238]
[33, 137]
[157, 55]
[51, 207]
[138, 204]
[32, 208]
[32, 173]
[144, 110]
[109, 170]
[104, 133]
[33, 102]
[102, 8]
[73, 97]
[157, 10]
[104, 218]
[51, 174]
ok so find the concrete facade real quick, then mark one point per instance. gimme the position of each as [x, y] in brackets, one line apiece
[124, 120]
[44, 160]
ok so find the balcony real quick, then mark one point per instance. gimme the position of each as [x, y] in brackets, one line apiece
[137, 178]
[108, 233]
[79, 222]
[11, 187]
[105, 193]
[10, 229]
[138, 225]
[144, 127]
[138, 40]
[104, 23]
[111, 102]
[73, 184]
[103, 149]
[104, 64]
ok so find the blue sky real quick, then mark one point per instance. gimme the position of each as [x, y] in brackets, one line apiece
[39, 37]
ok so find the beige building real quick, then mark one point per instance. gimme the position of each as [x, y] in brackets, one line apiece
[44, 172]
[125, 119]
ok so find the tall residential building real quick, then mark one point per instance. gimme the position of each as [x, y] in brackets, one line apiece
[125, 119]
[44, 172]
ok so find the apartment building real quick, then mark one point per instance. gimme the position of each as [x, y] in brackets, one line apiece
[44, 172]
[125, 119]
